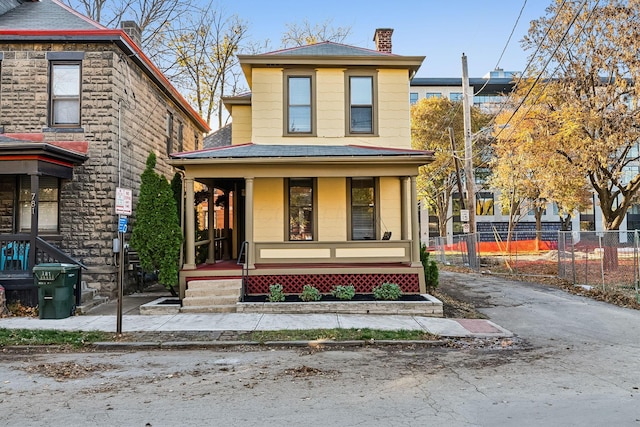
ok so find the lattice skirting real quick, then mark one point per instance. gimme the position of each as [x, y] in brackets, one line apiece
[363, 283]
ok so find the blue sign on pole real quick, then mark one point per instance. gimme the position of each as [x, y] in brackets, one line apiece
[122, 224]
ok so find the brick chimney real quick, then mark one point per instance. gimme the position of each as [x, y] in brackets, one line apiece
[382, 37]
[133, 30]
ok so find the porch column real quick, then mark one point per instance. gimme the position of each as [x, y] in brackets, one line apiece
[35, 208]
[211, 258]
[190, 224]
[405, 207]
[248, 202]
[415, 229]
[226, 243]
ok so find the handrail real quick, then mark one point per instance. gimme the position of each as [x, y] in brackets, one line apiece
[245, 267]
[56, 253]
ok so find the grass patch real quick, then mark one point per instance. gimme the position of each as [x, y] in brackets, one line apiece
[51, 337]
[339, 335]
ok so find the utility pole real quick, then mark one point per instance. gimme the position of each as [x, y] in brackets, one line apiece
[452, 138]
[468, 152]
[468, 165]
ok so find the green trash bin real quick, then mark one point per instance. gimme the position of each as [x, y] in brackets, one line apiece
[56, 284]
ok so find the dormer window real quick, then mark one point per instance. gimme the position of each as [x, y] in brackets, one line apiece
[299, 115]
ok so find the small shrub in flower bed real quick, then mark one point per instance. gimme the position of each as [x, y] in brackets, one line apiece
[275, 293]
[344, 292]
[309, 293]
[387, 291]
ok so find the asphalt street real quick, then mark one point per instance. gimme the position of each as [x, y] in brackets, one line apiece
[573, 362]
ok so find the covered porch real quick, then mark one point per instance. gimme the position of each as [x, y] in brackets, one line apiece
[31, 177]
[267, 244]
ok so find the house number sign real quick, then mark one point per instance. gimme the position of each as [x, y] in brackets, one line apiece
[33, 203]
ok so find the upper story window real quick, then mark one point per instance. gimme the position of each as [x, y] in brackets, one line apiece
[169, 132]
[413, 97]
[433, 95]
[455, 96]
[361, 108]
[180, 136]
[65, 88]
[299, 114]
[65, 93]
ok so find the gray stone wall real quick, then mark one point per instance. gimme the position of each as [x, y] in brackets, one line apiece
[123, 117]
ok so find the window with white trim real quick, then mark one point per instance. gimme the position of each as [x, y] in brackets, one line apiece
[64, 94]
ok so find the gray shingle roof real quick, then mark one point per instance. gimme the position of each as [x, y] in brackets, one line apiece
[45, 15]
[248, 151]
[328, 49]
[219, 138]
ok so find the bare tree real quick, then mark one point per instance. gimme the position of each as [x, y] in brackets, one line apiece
[206, 66]
[306, 33]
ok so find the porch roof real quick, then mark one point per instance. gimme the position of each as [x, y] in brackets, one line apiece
[28, 154]
[281, 151]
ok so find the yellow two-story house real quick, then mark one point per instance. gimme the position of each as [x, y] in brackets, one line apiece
[320, 172]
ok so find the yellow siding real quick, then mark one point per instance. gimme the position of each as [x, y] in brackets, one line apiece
[393, 109]
[241, 129]
[332, 210]
[266, 100]
[268, 204]
[330, 107]
[390, 207]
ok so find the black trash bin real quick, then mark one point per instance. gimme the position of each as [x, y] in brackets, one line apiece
[56, 284]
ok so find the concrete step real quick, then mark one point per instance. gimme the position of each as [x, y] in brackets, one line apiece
[215, 283]
[206, 301]
[226, 308]
[86, 305]
[212, 292]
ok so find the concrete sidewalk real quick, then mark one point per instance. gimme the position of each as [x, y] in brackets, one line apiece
[103, 318]
[262, 322]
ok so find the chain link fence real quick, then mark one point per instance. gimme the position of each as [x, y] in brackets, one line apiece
[604, 259]
[607, 260]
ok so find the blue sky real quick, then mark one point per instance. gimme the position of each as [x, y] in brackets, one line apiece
[441, 30]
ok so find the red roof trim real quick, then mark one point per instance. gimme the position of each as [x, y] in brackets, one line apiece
[35, 157]
[391, 149]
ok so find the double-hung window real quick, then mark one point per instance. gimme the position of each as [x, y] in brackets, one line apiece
[65, 88]
[361, 104]
[65, 94]
[299, 114]
[363, 209]
[301, 212]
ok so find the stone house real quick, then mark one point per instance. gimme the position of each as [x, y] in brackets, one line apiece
[321, 174]
[81, 108]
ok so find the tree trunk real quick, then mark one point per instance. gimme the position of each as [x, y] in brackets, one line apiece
[610, 245]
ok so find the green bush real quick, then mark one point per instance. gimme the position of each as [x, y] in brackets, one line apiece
[387, 291]
[309, 293]
[344, 292]
[430, 269]
[275, 293]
